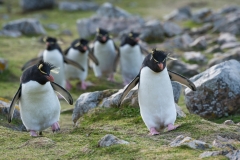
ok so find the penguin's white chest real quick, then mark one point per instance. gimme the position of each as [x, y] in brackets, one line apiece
[80, 58]
[55, 57]
[156, 99]
[130, 61]
[39, 106]
[106, 54]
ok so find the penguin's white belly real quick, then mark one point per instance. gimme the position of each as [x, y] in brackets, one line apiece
[39, 106]
[106, 54]
[80, 58]
[156, 99]
[54, 57]
[131, 61]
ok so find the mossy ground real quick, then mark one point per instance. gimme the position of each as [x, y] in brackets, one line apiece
[125, 123]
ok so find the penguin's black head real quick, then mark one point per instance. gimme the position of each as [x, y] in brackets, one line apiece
[102, 35]
[51, 43]
[132, 39]
[39, 72]
[156, 61]
[81, 45]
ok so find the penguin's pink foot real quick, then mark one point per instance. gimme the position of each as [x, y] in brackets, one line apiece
[153, 131]
[55, 127]
[83, 85]
[68, 85]
[111, 78]
[172, 127]
[33, 133]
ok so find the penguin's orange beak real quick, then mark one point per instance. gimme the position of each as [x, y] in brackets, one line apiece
[160, 65]
[104, 38]
[84, 48]
[50, 78]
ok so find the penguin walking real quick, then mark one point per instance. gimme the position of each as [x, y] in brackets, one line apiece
[39, 104]
[155, 92]
[53, 54]
[107, 54]
[79, 52]
[131, 57]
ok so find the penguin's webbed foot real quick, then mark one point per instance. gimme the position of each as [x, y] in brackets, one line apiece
[172, 127]
[111, 78]
[68, 85]
[33, 133]
[82, 86]
[55, 127]
[153, 131]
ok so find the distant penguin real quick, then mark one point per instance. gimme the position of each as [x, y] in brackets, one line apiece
[78, 52]
[131, 57]
[155, 93]
[39, 105]
[53, 54]
[107, 54]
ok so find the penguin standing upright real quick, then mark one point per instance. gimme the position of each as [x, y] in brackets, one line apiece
[53, 54]
[155, 93]
[107, 54]
[131, 57]
[39, 105]
[79, 52]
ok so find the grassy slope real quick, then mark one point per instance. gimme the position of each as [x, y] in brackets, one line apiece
[124, 123]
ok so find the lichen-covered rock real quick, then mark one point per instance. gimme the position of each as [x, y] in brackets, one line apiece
[109, 140]
[210, 154]
[228, 122]
[201, 30]
[218, 91]
[4, 107]
[190, 142]
[26, 26]
[32, 5]
[77, 6]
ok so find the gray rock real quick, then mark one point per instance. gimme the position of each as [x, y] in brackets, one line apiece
[110, 98]
[214, 49]
[228, 122]
[218, 91]
[226, 38]
[230, 45]
[201, 15]
[77, 6]
[110, 11]
[233, 155]
[87, 27]
[152, 30]
[201, 30]
[52, 26]
[171, 29]
[234, 54]
[66, 32]
[10, 33]
[109, 140]
[32, 5]
[229, 9]
[179, 14]
[226, 146]
[196, 57]
[210, 154]
[200, 43]
[179, 42]
[190, 142]
[25, 26]
[185, 69]
[3, 65]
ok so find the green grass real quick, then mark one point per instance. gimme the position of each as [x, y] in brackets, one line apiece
[126, 123]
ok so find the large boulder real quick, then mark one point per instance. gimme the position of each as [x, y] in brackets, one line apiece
[201, 15]
[196, 57]
[171, 29]
[179, 14]
[218, 91]
[77, 6]
[180, 42]
[26, 26]
[32, 5]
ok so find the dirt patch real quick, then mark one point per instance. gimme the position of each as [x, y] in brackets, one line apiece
[39, 142]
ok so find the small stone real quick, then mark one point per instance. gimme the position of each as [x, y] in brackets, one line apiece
[228, 122]
[3, 65]
[197, 57]
[109, 140]
[210, 154]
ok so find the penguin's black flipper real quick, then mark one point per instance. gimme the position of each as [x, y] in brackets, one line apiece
[92, 57]
[12, 105]
[32, 62]
[130, 86]
[64, 93]
[75, 64]
[181, 79]
[65, 52]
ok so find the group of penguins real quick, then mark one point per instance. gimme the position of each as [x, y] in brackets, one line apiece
[50, 73]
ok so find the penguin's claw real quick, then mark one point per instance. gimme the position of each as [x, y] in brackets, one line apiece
[55, 127]
[172, 127]
[33, 133]
[153, 131]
